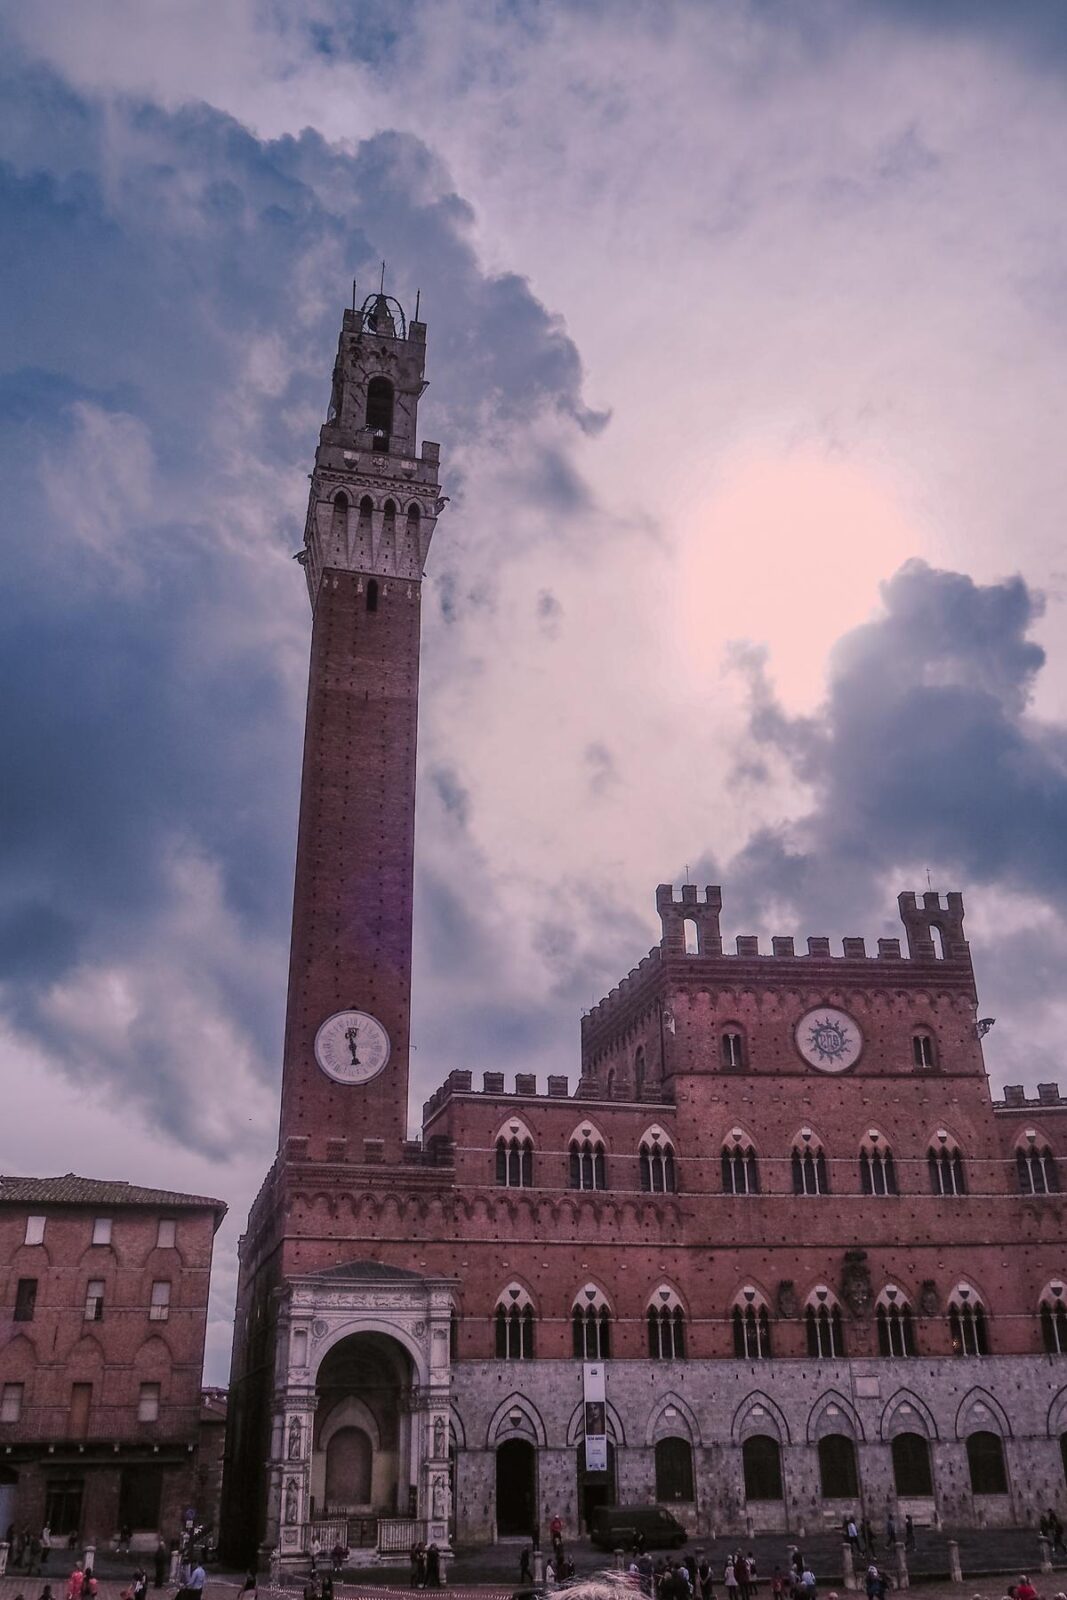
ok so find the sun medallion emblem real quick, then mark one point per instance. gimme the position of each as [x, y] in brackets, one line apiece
[829, 1039]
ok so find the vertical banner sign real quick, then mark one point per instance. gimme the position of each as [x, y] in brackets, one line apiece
[596, 1419]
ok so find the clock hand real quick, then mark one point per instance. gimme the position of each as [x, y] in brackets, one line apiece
[351, 1035]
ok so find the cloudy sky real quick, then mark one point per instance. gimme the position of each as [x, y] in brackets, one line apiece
[747, 335]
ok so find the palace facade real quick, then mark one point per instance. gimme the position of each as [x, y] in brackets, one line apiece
[776, 1257]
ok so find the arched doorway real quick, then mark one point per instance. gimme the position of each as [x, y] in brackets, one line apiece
[516, 1488]
[595, 1488]
[362, 1461]
[349, 1458]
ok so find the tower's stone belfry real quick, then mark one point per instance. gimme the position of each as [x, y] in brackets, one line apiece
[371, 514]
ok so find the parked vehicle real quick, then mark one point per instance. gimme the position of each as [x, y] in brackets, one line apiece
[615, 1527]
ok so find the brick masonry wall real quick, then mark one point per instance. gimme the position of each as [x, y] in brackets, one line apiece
[351, 946]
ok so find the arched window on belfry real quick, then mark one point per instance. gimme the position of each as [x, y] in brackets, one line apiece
[514, 1321]
[822, 1316]
[740, 1169]
[339, 516]
[1035, 1164]
[896, 1326]
[752, 1326]
[810, 1175]
[945, 1160]
[1054, 1318]
[666, 1325]
[878, 1173]
[380, 413]
[514, 1156]
[591, 1324]
[657, 1163]
[967, 1322]
[588, 1167]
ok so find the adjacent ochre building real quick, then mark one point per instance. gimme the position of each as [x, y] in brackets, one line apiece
[103, 1314]
[777, 1257]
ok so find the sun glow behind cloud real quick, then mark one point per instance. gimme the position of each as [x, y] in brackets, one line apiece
[788, 550]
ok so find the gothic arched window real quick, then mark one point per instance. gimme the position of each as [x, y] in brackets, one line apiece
[587, 1163]
[896, 1330]
[666, 1326]
[514, 1320]
[878, 1174]
[1036, 1166]
[946, 1166]
[591, 1325]
[752, 1329]
[740, 1169]
[967, 1322]
[822, 1315]
[656, 1157]
[514, 1157]
[809, 1165]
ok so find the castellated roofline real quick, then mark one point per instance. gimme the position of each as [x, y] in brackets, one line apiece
[692, 944]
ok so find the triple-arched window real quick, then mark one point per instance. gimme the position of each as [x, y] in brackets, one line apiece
[810, 1174]
[967, 1322]
[878, 1173]
[666, 1326]
[1054, 1319]
[656, 1158]
[822, 1317]
[514, 1157]
[591, 1325]
[896, 1326]
[740, 1169]
[1036, 1166]
[945, 1161]
[752, 1327]
[514, 1319]
[588, 1166]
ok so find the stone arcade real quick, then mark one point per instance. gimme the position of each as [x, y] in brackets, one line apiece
[813, 1268]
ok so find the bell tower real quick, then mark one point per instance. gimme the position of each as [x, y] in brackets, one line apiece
[371, 513]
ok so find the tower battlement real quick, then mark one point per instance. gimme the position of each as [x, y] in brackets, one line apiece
[692, 935]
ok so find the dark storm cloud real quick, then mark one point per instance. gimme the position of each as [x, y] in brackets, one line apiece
[926, 751]
[926, 743]
[168, 321]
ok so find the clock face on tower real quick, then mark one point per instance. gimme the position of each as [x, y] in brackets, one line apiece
[351, 1047]
[829, 1039]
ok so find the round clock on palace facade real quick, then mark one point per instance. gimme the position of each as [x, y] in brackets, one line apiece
[829, 1039]
[352, 1047]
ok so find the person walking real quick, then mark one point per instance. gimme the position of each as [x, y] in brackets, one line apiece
[909, 1533]
[729, 1578]
[741, 1573]
[525, 1571]
[890, 1530]
[76, 1582]
[160, 1562]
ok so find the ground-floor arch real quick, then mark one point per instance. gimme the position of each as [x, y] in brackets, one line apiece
[516, 1488]
[362, 1447]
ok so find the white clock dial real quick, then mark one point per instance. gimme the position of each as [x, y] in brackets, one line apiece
[352, 1047]
[829, 1039]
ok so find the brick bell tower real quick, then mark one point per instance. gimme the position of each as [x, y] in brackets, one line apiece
[371, 514]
